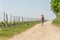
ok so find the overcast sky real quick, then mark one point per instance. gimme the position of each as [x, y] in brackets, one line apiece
[27, 8]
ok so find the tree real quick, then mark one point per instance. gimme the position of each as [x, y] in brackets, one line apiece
[55, 6]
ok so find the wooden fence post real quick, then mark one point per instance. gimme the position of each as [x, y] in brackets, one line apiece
[14, 19]
[7, 18]
[18, 18]
[4, 17]
[10, 18]
[22, 20]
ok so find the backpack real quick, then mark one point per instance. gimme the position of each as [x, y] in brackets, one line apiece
[42, 17]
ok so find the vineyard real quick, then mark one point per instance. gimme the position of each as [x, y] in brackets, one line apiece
[14, 20]
[15, 24]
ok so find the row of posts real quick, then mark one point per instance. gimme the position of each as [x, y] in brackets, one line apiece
[12, 18]
[15, 18]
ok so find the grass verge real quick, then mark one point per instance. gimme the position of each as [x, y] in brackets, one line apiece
[10, 31]
[56, 21]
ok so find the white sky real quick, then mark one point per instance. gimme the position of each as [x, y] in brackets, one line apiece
[26, 8]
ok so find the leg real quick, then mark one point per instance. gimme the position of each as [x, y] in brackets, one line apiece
[42, 22]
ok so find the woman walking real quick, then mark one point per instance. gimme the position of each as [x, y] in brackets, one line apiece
[42, 19]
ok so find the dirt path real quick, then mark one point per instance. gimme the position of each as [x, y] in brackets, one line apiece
[47, 32]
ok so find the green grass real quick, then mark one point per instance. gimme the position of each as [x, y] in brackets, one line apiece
[10, 31]
[57, 21]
